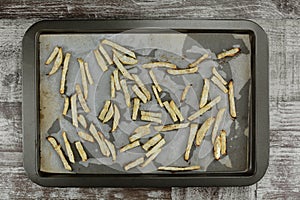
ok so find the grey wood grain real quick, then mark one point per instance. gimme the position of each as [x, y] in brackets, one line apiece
[280, 19]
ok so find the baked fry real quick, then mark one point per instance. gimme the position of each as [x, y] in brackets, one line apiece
[203, 130]
[103, 147]
[100, 60]
[68, 148]
[116, 118]
[64, 73]
[112, 149]
[156, 147]
[151, 119]
[81, 99]
[229, 53]
[125, 59]
[223, 142]
[152, 76]
[85, 136]
[140, 132]
[112, 87]
[118, 47]
[88, 74]
[183, 71]
[220, 85]
[193, 131]
[218, 120]
[57, 63]
[136, 106]
[217, 148]
[216, 73]
[66, 105]
[52, 55]
[82, 121]
[202, 110]
[159, 64]
[178, 169]
[142, 86]
[157, 96]
[134, 163]
[122, 69]
[126, 92]
[116, 79]
[109, 113]
[151, 114]
[81, 151]
[170, 111]
[74, 110]
[83, 77]
[58, 150]
[139, 93]
[199, 60]
[130, 146]
[104, 110]
[105, 54]
[204, 95]
[154, 140]
[185, 91]
[176, 110]
[152, 157]
[171, 127]
[231, 100]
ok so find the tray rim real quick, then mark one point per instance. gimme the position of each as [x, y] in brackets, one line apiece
[30, 105]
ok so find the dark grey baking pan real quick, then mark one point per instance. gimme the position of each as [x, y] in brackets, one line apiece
[176, 41]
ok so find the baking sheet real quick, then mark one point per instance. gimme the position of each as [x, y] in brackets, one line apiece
[174, 47]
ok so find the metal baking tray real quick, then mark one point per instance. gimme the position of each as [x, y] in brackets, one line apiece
[248, 142]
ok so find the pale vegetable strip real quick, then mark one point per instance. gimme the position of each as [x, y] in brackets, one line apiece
[142, 86]
[203, 130]
[140, 132]
[171, 127]
[116, 79]
[217, 148]
[176, 110]
[88, 74]
[151, 119]
[112, 87]
[218, 120]
[156, 147]
[64, 73]
[81, 99]
[230, 53]
[100, 60]
[157, 96]
[151, 158]
[126, 92]
[125, 59]
[58, 150]
[103, 147]
[136, 106]
[66, 105]
[204, 95]
[159, 64]
[74, 110]
[112, 149]
[81, 151]
[68, 148]
[170, 168]
[134, 163]
[223, 142]
[85, 136]
[208, 106]
[185, 91]
[104, 110]
[105, 54]
[109, 114]
[182, 71]
[122, 69]
[151, 73]
[231, 100]
[118, 47]
[170, 111]
[52, 55]
[82, 121]
[151, 114]
[220, 85]
[116, 118]
[199, 60]
[193, 131]
[216, 73]
[130, 146]
[83, 77]
[139, 93]
[154, 140]
[57, 63]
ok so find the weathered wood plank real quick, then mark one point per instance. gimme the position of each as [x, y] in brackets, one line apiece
[139, 9]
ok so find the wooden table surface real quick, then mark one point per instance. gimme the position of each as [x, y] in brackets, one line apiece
[279, 18]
